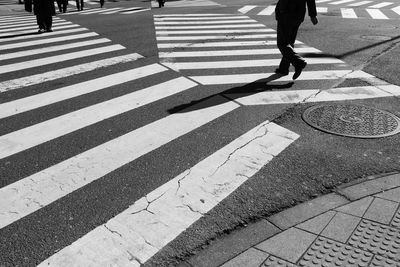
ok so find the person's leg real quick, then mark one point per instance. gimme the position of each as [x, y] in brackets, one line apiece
[49, 22]
[283, 42]
[40, 23]
[101, 3]
[292, 34]
[78, 6]
[81, 4]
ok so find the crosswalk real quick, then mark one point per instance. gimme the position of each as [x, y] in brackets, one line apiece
[375, 11]
[107, 11]
[185, 3]
[49, 107]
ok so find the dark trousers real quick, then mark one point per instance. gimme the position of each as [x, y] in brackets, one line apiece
[44, 21]
[101, 3]
[286, 36]
[79, 4]
[62, 5]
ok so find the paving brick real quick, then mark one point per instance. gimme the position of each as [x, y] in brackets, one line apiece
[288, 245]
[250, 258]
[307, 210]
[276, 262]
[356, 208]
[396, 219]
[341, 227]
[317, 224]
[228, 247]
[371, 187]
[381, 210]
[325, 252]
[393, 194]
[379, 261]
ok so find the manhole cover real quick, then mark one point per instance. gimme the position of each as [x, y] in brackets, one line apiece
[352, 120]
[376, 37]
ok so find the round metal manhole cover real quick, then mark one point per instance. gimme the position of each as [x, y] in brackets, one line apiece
[352, 120]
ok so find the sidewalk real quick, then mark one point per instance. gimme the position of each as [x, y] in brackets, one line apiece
[357, 225]
[17, 9]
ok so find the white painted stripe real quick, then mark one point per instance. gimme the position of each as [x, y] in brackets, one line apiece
[191, 15]
[322, 9]
[220, 53]
[136, 11]
[93, 164]
[322, 1]
[68, 92]
[201, 18]
[376, 14]
[348, 13]
[215, 37]
[216, 44]
[65, 72]
[48, 41]
[24, 23]
[242, 63]
[101, 11]
[40, 36]
[230, 26]
[246, 9]
[218, 22]
[15, 29]
[360, 3]
[396, 9]
[76, 12]
[90, 10]
[118, 9]
[50, 49]
[33, 31]
[59, 58]
[380, 5]
[306, 75]
[214, 31]
[267, 11]
[15, 19]
[153, 221]
[315, 95]
[341, 2]
[48, 130]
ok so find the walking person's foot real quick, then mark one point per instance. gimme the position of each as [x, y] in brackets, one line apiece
[298, 69]
[41, 31]
[281, 72]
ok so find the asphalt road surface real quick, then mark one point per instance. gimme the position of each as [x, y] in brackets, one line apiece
[133, 135]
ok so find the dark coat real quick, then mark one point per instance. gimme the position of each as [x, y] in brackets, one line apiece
[295, 9]
[44, 7]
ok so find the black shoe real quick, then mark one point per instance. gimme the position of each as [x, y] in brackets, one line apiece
[41, 31]
[282, 72]
[49, 30]
[298, 69]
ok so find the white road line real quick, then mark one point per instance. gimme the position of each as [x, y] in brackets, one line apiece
[204, 22]
[190, 15]
[153, 221]
[68, 92]
[15, 29]
[322, 9]
[215, 37]
[306, 75]
[16, 19]
[40, 189]
[24, 23]
[396, 9]
[316, 95]
[216, 44]
[40, 36]
[376, 14]
[200, 18]
[229, 26]
[380, 5]
[348, 13]
[242, 63]
[80, 12]
[89, 11]
[246, 9]
[65, 72]
[322, 1]
[110, 11]
[59, 58]
[135, 11]
[341, 2]
[103, 11]
[267, 11]
[33, 31]
[248, 31]
[220, 53]
[360, 3]
[48, 41]
[49, 49]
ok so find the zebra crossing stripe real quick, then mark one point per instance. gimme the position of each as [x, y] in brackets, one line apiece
[135, 11]
[348, 13]
[267, 11]
[380, 5]
[322, 1]
[40, 189]
[16, 19]
[204, 22]
[193, 15]
[214, 37]
[254, 25]
[341, 2]
[53, 48]
[153, 221]
[48, 41]
[89, 11]
[360, 3]
[242, 63]
[23, 23]
[306, 75]
[32, 31]
[376, 14]
[62, 73]
[50, 34]
[79, 12]
[102, 11]
[322, 9]
[214, 31]
[246, 9]
[14, 29]
[217, 44]
[199, 18]
[396, 9]
[110, 11]
[238, 52]
[59, 58]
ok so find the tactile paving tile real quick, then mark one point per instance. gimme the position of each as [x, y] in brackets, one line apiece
[276, 262]
[377, 238]
[396, 220]
[379, 261]
[325, 252]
